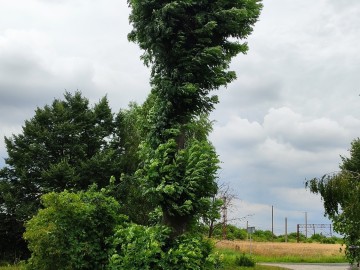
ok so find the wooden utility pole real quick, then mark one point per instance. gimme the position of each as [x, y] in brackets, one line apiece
[224, 215]
[272, 222]
[306, 231]
[286, 232]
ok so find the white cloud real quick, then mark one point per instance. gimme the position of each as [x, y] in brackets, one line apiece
[285, 139]
[239, 132]
[267, 162]
[286, 126]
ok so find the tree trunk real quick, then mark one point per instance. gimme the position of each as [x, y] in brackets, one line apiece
[178, 224]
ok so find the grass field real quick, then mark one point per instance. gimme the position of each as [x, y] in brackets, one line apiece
[284, 252]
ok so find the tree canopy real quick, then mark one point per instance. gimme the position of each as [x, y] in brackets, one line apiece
[189, 45]
[68, 145]
[340, 194]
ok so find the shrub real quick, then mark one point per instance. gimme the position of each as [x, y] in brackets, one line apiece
[245, 260]
[140, 247]
[190, 253]
[71, 231]
[232, 232]
[263, 236]
[323, 239]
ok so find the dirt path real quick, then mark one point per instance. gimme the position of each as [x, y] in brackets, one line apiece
[312, 266]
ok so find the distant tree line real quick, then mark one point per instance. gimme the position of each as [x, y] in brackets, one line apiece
[235, 233]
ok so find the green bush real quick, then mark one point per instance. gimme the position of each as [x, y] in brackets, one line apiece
[263, 236]
[245, 260]
[150, 248]
[232, 232]
[71, 231]
[191, 253]
[138, 247]
[320, 238]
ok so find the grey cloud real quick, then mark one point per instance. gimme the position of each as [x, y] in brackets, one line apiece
[344, 4]
[278, 153]
[310, 135]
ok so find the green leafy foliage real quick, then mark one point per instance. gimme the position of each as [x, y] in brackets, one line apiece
[340, 195]
[65, 145]
[232, 232]
[68, 145]
[244, 260]
[189, 46]
[12, 246]
[212, 215]
[182, 180]
[263, 235]
[320, 238]
[71, 231]
[140, 247]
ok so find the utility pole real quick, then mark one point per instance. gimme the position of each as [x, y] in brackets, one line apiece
[247, 230]
[286, 232]
[272, 221]
[306, 232]
[224, 210]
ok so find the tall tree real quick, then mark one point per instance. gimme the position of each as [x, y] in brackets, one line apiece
[340, 193]
[189, 45]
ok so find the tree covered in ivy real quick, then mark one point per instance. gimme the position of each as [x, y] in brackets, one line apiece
[189, 45]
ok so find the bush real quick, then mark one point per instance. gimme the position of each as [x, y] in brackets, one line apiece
[323, 239]
[244, 260]
[138, 247]
[232, 232]
[150, 248]
[71, 231]
[264, 236]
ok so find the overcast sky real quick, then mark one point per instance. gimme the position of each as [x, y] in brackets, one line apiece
[288, 117]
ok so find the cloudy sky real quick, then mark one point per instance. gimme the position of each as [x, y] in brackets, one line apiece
[288, 117]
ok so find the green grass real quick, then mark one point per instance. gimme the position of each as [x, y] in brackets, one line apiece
[229, 257]
[299, 259]
[257, 267]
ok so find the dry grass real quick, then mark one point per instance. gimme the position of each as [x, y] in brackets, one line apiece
[274, 250]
